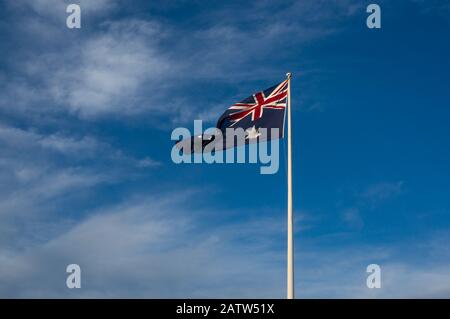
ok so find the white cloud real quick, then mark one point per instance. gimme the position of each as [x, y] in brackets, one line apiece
[15, 141]
[112, 70]
[107, 73]
[89, 72]
[341, 273]
[371, 197]
[119, 67]
[153, 248]
[68, 145]
[353, 218]
[41, 175]
[383, 191]
[145, 248]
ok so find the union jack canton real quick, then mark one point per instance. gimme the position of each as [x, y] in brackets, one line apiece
[265, 109]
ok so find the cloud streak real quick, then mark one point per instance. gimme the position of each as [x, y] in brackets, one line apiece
[150, 248]
[132, 66]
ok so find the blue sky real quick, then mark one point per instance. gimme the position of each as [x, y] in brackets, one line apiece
[85, 169]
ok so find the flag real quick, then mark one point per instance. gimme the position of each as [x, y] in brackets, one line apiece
[265, 109]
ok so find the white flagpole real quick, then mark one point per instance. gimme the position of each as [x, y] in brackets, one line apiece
[290, 217]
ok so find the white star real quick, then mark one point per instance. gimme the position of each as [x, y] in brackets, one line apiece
[252, 133]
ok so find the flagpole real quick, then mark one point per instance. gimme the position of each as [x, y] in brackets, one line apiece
[290, 217]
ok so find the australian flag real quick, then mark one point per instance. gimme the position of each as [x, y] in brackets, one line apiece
[262, 110]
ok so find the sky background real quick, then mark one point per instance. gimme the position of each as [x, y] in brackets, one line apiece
[86, 175]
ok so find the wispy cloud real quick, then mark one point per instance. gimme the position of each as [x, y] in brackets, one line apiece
[145, 248]
[383, 191]
[352, 218]
[74, 148]
[116, 67]
[371, 197]
[125, 66]
[151, 247]
[43, 175]
[342, 273]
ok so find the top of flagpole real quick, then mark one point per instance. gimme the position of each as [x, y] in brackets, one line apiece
[289, 75]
